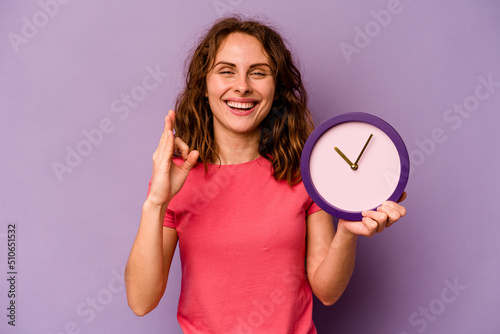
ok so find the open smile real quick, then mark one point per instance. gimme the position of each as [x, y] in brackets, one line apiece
[241, 108]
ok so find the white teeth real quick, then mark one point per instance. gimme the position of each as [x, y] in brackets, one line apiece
[238, 105]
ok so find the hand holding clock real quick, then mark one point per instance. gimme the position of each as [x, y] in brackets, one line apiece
[375, 221]
[367, 189]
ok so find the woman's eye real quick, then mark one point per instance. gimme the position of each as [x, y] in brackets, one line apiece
[259, 74]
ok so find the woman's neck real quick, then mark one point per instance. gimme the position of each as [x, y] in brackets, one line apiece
[233, 150]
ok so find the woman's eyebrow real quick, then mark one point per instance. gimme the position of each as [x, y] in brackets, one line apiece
[260, 65]
[225, 63]
[234, 65]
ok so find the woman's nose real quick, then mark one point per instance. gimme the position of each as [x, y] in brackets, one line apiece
[242, 85]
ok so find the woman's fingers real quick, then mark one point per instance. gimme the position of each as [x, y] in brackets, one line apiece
[394, 210]
[191, 160]
[165, 147]
[392, 215]
[169, 135]
[386, 215]
[375, 221]
[371, 226]
[168, 177]
[171, 113]
[181, 146]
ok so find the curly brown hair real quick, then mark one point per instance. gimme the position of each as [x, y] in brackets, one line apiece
[285, 129]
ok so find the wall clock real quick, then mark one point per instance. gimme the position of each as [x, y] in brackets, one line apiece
[354, 162]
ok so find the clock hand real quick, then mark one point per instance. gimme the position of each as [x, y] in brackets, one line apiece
[353, 166]
[364, 147]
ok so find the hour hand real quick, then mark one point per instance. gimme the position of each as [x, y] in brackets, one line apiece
[353, 166]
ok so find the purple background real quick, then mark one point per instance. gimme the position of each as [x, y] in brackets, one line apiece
[74, 233]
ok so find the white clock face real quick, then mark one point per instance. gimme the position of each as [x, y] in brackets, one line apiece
[378, 169]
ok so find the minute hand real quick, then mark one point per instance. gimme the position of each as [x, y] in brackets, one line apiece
[364, 147]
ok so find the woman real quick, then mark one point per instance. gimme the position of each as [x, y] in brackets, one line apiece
[227, 188]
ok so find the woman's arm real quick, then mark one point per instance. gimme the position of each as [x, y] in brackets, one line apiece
[330, 257]
[149, 262]
[330, 254]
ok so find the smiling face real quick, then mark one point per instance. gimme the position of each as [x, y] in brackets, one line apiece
[240, 87]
